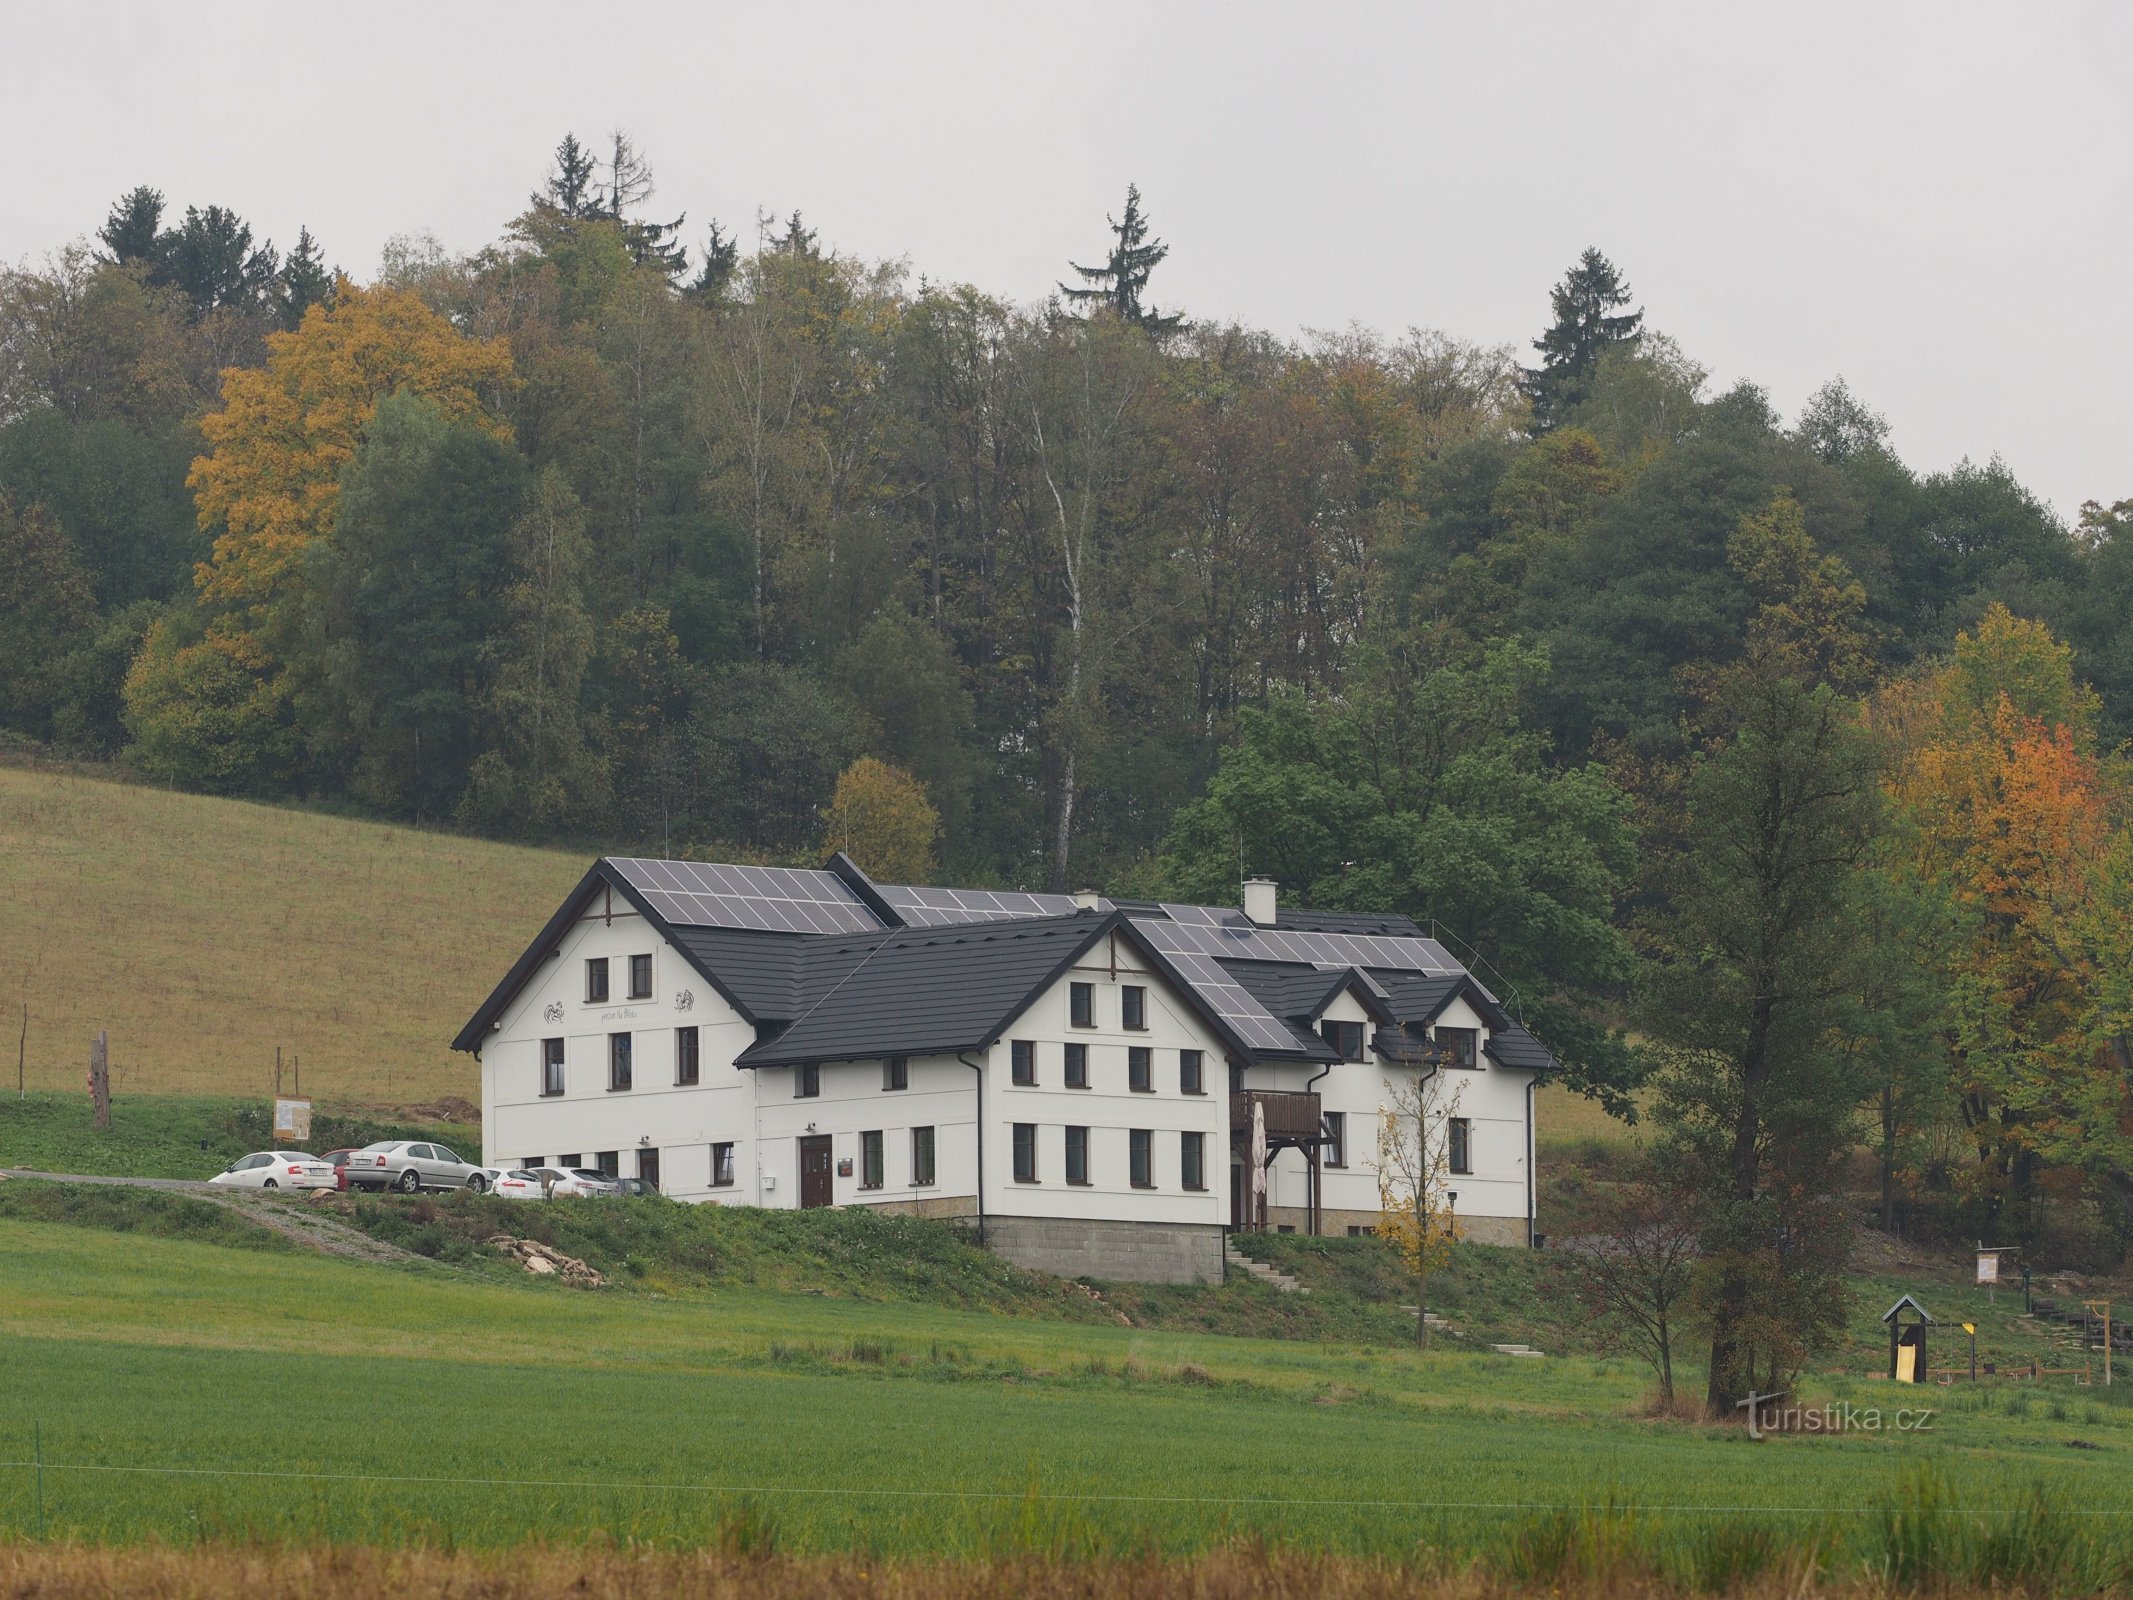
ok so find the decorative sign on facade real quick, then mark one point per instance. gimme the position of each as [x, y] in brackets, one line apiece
[685, 1000]
[553, 1011]
[292, 1120]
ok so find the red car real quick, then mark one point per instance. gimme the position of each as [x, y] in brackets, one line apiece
[339, 1161]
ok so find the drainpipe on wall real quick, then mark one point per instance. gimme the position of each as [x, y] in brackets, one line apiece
[1318, 1165]
[979, 1069]
[1531, 1083]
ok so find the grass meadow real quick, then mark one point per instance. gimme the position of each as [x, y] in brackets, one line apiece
[179, 1391]
[201, 933]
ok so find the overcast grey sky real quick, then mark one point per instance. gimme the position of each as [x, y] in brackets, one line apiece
[1931, 199]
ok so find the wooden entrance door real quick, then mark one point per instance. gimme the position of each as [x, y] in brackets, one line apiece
[815, 1171]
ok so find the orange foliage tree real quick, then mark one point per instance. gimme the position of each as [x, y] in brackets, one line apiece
[1992, 761]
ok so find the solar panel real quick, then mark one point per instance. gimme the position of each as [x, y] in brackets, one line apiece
[1227, 998]
[924, 906]
[705, 894]
[1247, 942]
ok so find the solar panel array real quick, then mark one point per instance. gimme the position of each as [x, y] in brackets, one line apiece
[1250, 1020]
[773, 899]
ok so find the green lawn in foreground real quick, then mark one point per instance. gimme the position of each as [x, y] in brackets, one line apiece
[898, 1428]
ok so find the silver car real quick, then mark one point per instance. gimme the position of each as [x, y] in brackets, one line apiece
[410, 1165]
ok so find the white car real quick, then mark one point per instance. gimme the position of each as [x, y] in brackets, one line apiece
[569, 1182]
[516, 1184]
[279, 1169]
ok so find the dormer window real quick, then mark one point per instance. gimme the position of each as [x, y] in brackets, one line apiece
[1463, 1043]
[1345, 1037]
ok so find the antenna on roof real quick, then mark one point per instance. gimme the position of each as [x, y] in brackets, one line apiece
[1474, 958]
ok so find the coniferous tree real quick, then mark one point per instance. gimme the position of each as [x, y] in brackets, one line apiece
[1589, 319]
[570, 187]
[629, 185]
[1122, 281]
[210, 256]
[304, 281]
[722, 258]
[133, 231]
[798, 239]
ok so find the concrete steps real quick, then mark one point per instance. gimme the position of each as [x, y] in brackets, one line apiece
[1240, 1262]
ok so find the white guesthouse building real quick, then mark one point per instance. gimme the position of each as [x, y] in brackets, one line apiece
[1089, 1081]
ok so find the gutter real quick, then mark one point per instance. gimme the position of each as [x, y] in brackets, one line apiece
[979, 1069]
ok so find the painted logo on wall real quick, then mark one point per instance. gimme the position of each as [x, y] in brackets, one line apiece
[553, 1011]
[685, 1000]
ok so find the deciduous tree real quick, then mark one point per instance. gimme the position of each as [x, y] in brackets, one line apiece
[881, 818]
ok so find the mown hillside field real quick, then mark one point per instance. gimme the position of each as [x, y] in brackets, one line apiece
[203, 933]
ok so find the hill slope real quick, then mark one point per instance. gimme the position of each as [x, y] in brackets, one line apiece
[202, 933]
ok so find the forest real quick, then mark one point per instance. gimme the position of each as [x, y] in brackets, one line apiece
[1778, 780]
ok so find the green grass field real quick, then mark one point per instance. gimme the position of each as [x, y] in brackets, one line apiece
[202, 933]
[426, 1404]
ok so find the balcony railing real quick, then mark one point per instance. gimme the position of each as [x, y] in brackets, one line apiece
[1290, 1114]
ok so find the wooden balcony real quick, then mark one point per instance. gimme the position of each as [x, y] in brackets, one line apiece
[1290, 1114]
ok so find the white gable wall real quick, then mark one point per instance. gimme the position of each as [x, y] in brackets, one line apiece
[680, 1122]
[1108, 1108]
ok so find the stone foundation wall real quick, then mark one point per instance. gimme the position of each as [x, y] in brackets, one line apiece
[1132, 1252]
[939, 1206]
[1334, 1224]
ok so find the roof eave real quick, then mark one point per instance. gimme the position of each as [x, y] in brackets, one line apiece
[602, 871]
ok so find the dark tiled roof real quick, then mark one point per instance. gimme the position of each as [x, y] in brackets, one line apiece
[1288, 989]
[1417, 997]
[1390, 924]
[1512, 1046]
[754, 968]
[919, 991]
[951, 984]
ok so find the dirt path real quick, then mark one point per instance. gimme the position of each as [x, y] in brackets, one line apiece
[311, 1224]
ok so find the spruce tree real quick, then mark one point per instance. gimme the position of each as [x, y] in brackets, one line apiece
[133, 230]
[305, 281]
[1121, 282]
[1589, 320]
[210, 256]
[722, 258]
[569, 187]
[798, 239]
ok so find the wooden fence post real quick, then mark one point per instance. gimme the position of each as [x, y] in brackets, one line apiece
[100, 1078]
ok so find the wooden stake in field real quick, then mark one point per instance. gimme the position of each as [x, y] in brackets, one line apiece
[22, 1049]
[100, 1078]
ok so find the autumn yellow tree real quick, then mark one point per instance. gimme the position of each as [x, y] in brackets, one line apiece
[209, 697]
[270, 481]
[881, 818]
[1414, 1158]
